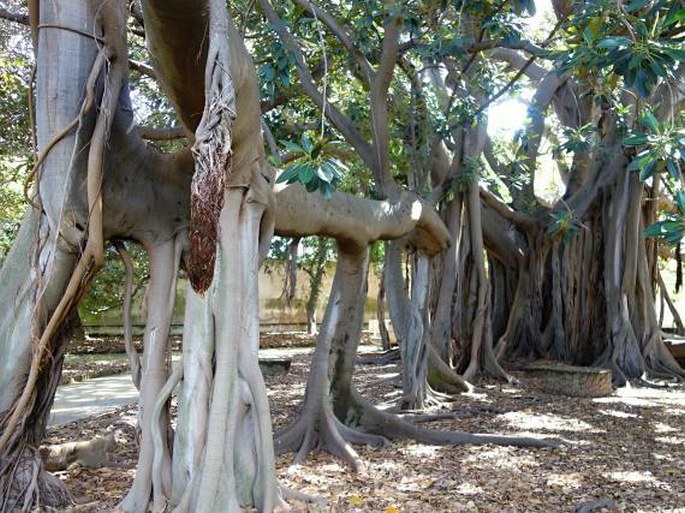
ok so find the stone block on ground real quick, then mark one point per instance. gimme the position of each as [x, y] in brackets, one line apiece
[570, 380]
[273, 366]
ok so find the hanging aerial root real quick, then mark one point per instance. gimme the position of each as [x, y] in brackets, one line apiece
[133, 358]
[212, 154]
[160, 494]
[96, 69]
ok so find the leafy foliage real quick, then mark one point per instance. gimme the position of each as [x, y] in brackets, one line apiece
[663, 147]
[634, 41]
[313, 167]
[15, 145]
[107, 291]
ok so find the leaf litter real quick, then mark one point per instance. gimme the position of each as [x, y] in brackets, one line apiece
[621, 453]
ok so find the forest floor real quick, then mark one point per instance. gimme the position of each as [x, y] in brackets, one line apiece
[625, 451]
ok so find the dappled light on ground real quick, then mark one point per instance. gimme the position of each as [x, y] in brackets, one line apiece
[628, 447]
[545, 422]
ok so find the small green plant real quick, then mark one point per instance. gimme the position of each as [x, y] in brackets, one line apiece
[313, 166]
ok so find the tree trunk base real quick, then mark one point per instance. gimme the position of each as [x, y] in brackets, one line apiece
[25, 482]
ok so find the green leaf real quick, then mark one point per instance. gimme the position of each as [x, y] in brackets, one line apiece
[268, 72]
[650, 121]
[648, 170]
[676, 53]
[288, 173]
[307, 174]
[653, 230]
[613, 42]
[635, 140]
[673, 168]
[675, 17]
[291, 146]
[306, 143]
[642, 83]
[670, 230]
[680, 201]
[640, 161]
[326, 189]
[331, 170]
[312, 186]
[323, 173]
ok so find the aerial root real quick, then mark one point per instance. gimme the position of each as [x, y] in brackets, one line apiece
[133, 357]
[27, 479]
[160, 491]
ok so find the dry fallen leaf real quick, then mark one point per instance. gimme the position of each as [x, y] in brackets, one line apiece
[356, 501]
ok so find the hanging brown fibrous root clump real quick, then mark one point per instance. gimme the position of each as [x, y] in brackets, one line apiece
[212, 153]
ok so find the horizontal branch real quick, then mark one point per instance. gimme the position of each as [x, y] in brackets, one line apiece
[161, 134]
[22, 19]
[533, 71]
[526, 46]
[518, 218]
[359, 221]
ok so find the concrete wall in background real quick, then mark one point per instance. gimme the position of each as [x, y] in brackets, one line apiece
[275, 313]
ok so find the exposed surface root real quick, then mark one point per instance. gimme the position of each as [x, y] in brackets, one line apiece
[290, 494]
[321, 430]
[26, 483]
[418, 417]
[373, 420]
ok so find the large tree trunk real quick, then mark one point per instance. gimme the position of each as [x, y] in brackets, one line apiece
[22, 479]
[39, 273]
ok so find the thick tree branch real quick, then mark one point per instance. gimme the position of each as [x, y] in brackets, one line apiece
[161, 134]
[526, 46]
[379, 107]
[22, 19]
[343, 36]
[507, 212]
[520, 73]
[489, 154]
[533, 71]
[346, 218]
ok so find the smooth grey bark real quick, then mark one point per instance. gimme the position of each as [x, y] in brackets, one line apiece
[410, 322]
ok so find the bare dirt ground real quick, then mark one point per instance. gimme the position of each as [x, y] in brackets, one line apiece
[626, 451]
